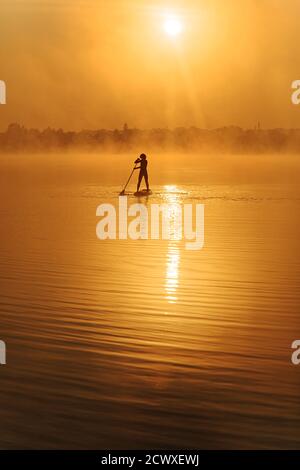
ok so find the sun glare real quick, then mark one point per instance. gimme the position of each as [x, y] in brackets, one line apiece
[173, 26]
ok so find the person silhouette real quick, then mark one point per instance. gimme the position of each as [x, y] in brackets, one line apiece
[143, 171]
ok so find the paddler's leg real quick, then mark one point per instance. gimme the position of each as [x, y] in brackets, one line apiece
[146, 179]
[139, 181]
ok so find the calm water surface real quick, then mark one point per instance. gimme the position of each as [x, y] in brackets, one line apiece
[143, 344]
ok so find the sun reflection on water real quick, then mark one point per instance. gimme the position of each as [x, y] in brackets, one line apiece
[173, 199]
[172, 273]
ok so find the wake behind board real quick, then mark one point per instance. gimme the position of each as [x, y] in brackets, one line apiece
[144, 192]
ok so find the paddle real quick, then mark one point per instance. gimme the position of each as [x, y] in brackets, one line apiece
[122, 193]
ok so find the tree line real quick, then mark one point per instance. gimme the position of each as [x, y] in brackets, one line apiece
[230, 139]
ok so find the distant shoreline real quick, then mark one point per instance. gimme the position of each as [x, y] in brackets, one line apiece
[231, 139]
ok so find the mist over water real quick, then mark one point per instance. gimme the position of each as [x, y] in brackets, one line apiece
[143, 344]
[166, 168]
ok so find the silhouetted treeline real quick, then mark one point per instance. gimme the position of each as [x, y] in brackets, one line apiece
[227, 139]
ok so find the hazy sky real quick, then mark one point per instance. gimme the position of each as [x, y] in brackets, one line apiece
[98, 63]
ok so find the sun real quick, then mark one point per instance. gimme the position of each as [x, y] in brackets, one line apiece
[173, 26]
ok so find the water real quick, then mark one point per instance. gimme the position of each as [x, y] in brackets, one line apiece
[143, 344]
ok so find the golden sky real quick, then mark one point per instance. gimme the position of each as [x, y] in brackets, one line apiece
[99, 63]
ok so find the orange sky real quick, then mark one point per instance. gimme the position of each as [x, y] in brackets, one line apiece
[98, 63]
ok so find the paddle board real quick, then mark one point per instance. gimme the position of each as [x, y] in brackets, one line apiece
[144, 192]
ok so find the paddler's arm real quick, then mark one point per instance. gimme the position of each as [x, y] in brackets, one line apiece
[136, 162]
